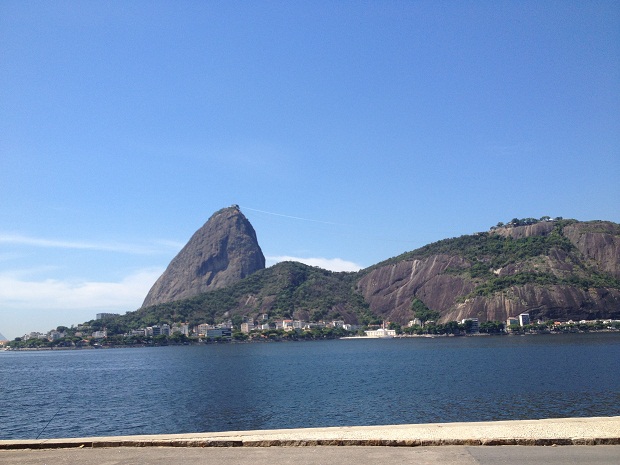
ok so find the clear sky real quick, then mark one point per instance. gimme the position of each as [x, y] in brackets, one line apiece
[348, 132]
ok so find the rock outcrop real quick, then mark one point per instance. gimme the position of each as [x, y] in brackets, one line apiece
[551, 270]
[599, 241]
[390, 289]
[223, 251]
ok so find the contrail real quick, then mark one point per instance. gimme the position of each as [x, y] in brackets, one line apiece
[376, 238]
[293, 217]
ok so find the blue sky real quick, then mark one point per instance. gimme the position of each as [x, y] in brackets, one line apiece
[369, 128]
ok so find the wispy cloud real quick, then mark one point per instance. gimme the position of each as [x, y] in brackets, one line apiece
[140, 249]
[332, 264]
[17, 292]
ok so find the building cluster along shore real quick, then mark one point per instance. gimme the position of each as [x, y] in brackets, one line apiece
[263, 328]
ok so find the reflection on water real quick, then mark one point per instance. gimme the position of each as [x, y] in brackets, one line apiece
[307, 384]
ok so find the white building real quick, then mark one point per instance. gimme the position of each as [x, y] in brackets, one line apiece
[103, 316]
[55, 335]
[380, 333]
[524, 319]
[475, 325]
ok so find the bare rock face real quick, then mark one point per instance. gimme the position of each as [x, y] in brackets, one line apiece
[599, 241]
[556, 302]
[443, 281]
[222, 252]
[519, 232]
[389, 289]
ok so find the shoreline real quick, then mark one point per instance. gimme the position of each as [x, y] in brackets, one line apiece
[271, 341]
[543, 432]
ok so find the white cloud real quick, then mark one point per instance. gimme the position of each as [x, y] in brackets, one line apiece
[29, 305]
[332, 264]
[18, 239]
[52, 294]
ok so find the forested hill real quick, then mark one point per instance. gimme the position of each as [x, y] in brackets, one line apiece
[553, 269]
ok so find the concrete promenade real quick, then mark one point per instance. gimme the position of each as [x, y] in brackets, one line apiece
[546, 432]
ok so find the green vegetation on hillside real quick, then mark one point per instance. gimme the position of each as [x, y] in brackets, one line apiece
[492, 261]
[282, 291]
[490, 251]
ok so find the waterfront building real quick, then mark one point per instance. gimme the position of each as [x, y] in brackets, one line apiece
[381, 333]
[512, 321]
[55, 335]
[524, 319]
[34, 335]
[247, 327]
[100, 334]
[213, 333]
[103, 316]
[202, 329]
[180, 328]
[475, 326]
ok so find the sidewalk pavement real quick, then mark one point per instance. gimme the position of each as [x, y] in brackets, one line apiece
[546, 432]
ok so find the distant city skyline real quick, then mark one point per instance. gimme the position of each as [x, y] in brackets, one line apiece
[347, 133]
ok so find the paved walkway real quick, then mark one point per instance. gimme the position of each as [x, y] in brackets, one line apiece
[318, 455]
[547, 432]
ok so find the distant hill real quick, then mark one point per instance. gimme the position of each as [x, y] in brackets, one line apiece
[2, 338]
[553, 269]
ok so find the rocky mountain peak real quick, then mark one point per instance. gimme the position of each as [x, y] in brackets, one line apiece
[223, 251]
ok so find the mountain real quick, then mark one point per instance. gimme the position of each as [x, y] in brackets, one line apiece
[222, 252]
[2, 338]
[553, 269]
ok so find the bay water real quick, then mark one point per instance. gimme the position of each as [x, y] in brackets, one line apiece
[225, 387]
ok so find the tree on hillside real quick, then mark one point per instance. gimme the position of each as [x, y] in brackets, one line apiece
[422, 312]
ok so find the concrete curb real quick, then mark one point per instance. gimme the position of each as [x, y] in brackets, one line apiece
[546, 432]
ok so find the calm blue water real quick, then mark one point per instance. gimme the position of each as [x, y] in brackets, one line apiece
[307, 384]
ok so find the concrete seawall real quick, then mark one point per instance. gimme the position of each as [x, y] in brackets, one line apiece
[546, 432]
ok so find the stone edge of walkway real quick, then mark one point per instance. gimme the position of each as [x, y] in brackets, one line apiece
[545, 432]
